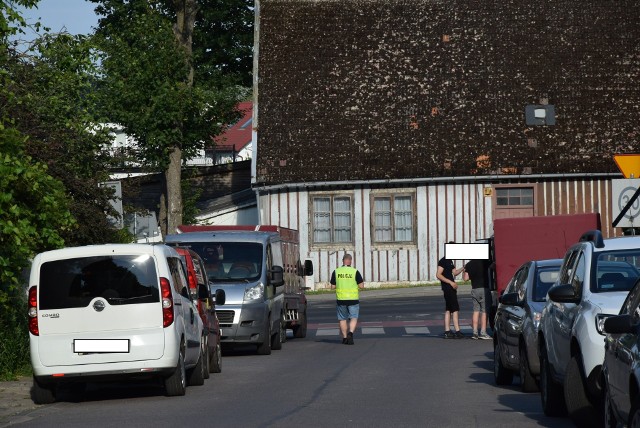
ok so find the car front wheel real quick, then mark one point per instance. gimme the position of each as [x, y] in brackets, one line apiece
[551, 392]
[502, 375]
[580, 410]
[528, 382]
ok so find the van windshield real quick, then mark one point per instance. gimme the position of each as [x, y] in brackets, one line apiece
[230, 261]
[120, 280]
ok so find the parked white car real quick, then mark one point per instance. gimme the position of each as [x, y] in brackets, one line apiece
[595, 278]
[111, 312]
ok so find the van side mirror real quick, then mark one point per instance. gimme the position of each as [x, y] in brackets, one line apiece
[308, 268]
[220, 297]
[203, 292]
[185, 293]
[510, 299]
[276, 276]
[563, 293]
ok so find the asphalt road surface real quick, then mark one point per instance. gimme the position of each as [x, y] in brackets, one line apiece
[399, 373]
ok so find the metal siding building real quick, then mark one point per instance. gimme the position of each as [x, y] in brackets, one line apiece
[460, 211]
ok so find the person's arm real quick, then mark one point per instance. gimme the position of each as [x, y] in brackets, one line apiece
[443, 278]
[332, 282]
[359, 280]
[457, 272]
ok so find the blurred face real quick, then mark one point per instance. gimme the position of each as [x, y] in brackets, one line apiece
[346, 261]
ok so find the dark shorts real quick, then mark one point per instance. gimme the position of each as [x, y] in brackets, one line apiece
[451, 299]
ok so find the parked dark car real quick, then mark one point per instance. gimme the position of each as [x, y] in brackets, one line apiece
[621, 367]
[200, 289]
[517, 320]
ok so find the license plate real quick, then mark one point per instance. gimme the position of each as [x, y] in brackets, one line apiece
[96, 346]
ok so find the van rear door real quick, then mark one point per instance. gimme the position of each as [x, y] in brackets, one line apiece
[99, 309]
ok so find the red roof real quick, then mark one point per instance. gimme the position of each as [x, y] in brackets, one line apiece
[238, 134]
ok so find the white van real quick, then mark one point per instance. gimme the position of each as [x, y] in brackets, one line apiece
[106, 312]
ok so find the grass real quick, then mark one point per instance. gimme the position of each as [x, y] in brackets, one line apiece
[384, 287]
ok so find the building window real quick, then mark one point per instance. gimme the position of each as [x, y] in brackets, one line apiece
[332, 219]
[393, 218]
[514, 196]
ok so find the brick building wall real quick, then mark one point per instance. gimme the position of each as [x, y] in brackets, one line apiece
[388, 89]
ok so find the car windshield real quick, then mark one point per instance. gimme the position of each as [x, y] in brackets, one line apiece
[121, 280]
[616, 270]
[545, 278]
[230, 261]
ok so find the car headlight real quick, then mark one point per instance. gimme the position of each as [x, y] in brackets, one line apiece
[600, 319]
[536, 319]
[254, 292]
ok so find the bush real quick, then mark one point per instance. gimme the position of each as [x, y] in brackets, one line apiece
[14, 339]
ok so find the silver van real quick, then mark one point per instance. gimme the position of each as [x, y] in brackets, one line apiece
[248, 266]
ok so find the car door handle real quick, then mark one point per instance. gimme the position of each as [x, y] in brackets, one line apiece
[192, 317]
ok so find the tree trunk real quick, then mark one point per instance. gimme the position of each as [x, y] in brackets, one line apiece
[173, 177]
[183, 29]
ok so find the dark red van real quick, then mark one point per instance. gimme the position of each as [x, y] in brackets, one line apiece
[199, 287]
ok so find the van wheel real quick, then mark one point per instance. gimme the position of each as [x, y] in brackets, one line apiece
[196, 375]
[206, 359]
[527, 381]
[300, 330]
[215, 363]
[551, 393]
[43, 393]
[265, 347]
[176, 384]
[580, 410]
[276, 339]
[501, 374]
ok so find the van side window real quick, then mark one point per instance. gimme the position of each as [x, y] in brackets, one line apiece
[578, 275]
[177, 274]
[567, 267]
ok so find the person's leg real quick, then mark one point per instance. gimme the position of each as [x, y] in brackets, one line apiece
[447, 321]
[343, 328]
[483, 322]
[476, 311]
[456, 325]
[343, 314]
[354, 313]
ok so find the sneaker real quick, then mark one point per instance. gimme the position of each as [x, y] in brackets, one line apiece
[350, 338]
[459, 335]
[449, 335]
[484, 336]
[344, 340]
[475, 335]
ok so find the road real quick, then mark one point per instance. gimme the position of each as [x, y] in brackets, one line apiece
[399, 373]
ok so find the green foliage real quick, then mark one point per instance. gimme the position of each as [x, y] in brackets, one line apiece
[14, 339]
[190, 195]
[33, 212]
[146, 87]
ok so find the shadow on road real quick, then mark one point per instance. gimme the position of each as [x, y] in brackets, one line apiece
[512, 397]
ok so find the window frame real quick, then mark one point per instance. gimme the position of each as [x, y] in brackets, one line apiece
[392, 195]
[332, 196]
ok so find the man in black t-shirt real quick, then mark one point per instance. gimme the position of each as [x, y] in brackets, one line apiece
[478, 271]
[446, 274]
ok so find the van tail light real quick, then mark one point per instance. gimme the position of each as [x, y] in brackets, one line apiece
[167, 302]
[193, 283]
[33, 311]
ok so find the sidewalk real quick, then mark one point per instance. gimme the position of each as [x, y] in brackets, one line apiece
[15, 399]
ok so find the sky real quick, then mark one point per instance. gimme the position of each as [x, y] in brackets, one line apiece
[76, 16]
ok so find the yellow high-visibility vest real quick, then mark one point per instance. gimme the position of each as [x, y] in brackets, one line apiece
[346, 285]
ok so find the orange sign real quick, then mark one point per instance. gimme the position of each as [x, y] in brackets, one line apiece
[629, 165]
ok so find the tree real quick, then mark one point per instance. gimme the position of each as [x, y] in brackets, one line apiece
[149, 89]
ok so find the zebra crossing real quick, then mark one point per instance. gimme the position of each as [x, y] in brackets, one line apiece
[395, 329]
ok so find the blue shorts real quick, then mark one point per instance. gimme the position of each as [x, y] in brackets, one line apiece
[346, 312]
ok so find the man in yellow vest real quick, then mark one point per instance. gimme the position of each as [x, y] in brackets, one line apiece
[347, 280]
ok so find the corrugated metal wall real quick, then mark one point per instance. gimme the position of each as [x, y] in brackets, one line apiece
[457, 212]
